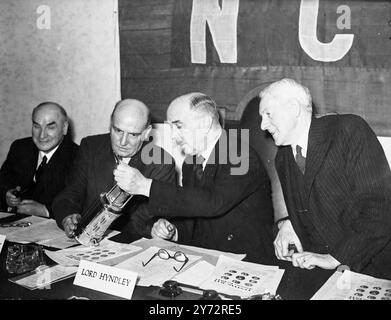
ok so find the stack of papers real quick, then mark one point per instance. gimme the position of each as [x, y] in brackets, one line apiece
[42, 231]
[233, 277]
[107, 250]
[350, 285]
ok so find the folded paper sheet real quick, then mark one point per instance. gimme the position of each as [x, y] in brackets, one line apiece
[350, 285]
[243, 279]
[107, 250]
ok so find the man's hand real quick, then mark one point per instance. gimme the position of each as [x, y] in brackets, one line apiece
[33, 208]
[11, 199]
[286, 236]
[165, 230]
[310, 260]
[131, 180]
[70, 224]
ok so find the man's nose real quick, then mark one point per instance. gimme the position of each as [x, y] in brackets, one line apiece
[124, 139]
[43, 133]
[264, 123]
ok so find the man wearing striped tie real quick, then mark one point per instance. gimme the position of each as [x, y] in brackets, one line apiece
[336, 183]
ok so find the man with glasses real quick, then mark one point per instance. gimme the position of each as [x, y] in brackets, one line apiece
[92, 173]
[223, 203]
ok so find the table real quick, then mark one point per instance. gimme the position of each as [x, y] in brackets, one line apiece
[296, 284]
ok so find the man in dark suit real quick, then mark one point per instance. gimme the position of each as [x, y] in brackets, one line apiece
[336, 182]
[92, 173]
[35, 168]
[224, 202]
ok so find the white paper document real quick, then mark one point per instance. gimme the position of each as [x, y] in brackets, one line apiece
[14, 228]
[243, 279]
[60, 242]
[209, 255]
[350, 285]
[196, 274]
[42, 278]
[37, 232]
[107, 250]
[158, 270]
[5, 214]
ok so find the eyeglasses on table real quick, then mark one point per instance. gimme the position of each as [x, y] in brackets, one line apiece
[163, 254]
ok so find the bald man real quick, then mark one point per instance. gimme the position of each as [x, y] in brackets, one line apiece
[35, 168]
[98, 156]
[224, 202]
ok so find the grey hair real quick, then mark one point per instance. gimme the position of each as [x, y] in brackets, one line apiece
[203, 103]
[290, 89]
[49, 103]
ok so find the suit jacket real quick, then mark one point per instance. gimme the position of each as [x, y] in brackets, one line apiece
[347, 185]
[224, 211]
[92, 174]
[20, 166]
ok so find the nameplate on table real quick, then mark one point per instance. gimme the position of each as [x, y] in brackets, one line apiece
[2, 240]
[106, 279]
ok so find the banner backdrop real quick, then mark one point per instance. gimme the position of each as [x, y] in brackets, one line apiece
[340, 49]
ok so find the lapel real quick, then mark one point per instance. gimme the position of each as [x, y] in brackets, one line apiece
[104, 164]
[31, 161]
[321, 135]
[136, 161]
[282, 164]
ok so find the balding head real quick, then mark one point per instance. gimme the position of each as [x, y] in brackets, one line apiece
[50, 125]
[195, 121]
[137, 109]
[199, 104]
[130, 126]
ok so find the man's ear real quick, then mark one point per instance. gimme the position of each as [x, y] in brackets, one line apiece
[146, 133]
[295, 105]
[205, 122]
[65, 128]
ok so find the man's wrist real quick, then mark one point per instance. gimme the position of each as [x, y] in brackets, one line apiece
[281, 221]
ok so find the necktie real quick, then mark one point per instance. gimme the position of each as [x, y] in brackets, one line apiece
[40, 170]
[300, 160]
[192, 170]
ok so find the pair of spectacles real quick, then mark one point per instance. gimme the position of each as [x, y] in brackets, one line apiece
[163, 254]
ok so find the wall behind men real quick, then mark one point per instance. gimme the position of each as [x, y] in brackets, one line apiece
[340, 49]
[63, 51]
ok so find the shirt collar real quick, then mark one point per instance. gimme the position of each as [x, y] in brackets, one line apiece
[48, 154]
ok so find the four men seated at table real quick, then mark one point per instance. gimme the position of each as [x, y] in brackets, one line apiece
[334, 175]
[35, 168]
